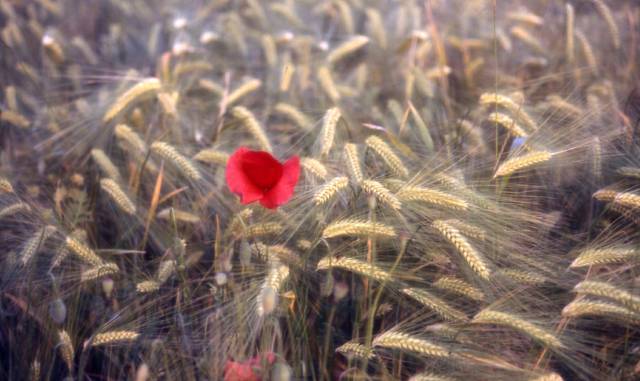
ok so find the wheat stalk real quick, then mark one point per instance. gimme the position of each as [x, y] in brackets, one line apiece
[145, 88]
[385, 152]
[353, 227]
[250, 122]
[525, 161]
[473, 258]
[170, 154]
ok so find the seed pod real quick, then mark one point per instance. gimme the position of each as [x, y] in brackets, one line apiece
[58, 311]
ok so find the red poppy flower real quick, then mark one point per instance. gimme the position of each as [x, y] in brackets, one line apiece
[258, 176]
[249, 370]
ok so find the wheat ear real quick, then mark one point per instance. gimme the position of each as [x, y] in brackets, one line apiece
[117, 195]
[438, 305]
[605, 256]
[459, 287]
[353, 161]
[330, 190]
[5, 185]
[106, 165]
[357, 350]
[250, 122]
[109, 268]
[328, 132]
[473, 258]
[82, 251]
[385, 152]
[352, 227]
[405, 342]
[431, 196]
[381, 193]
[347, 48]
[145, 88]
[171, 154]
[293, 114]
[488, 316]
[508, 123]
[243, 90]
[355, 266]
[314, 167]
[579, 308]
[609, 291]
[266, 301]
[212, 156]
[525, 161]
[114, 337]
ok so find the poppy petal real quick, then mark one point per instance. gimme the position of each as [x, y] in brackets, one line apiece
[236, 371]
[283, 190]
[238, 181]
[262, 169]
